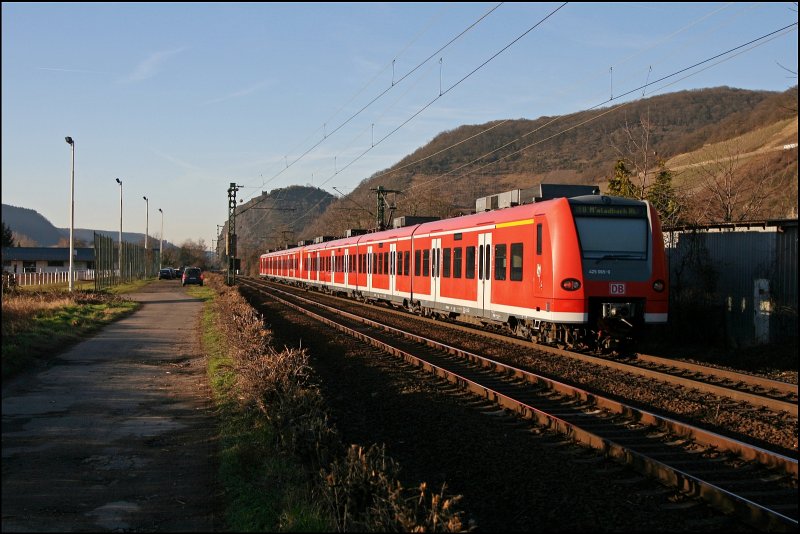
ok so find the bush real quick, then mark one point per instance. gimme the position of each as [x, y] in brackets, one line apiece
[361, 486]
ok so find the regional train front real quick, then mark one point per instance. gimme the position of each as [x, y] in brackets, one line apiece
[624, 266]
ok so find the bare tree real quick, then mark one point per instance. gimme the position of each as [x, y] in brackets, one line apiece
[733, 188]
[633, 147]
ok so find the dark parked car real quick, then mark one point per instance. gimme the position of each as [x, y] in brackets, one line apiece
[166, 274]
[192, 275]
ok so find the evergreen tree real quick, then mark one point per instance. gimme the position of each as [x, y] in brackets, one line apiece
[620, 185]
[662, 196]
[8, 236]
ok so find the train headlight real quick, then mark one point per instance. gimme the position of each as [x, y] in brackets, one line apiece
[658, 285]
[570, 284]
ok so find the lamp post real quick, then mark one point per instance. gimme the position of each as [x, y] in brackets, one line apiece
[146, 231]
[120, 227]
[161, 241]
[71, 143]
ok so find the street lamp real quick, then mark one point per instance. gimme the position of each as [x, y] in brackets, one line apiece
[161, 241]
[120, 227]
[146, 231]
[71, 143]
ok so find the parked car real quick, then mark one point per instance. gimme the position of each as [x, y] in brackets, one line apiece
[192, 275]
[166, 274]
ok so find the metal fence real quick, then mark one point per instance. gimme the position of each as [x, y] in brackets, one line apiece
[734, 283]
[137, 263]
[55, 277]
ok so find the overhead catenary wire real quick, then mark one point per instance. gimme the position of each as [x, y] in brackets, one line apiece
[456, 84]
[381, 94]
[622, 61]
[442, 93]
[754, 42]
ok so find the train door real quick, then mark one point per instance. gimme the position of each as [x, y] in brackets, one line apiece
[484, 271]
[392, 268]
[436, 247]
[299, 273]
[542, 281]
[346, 268]
[370, 267]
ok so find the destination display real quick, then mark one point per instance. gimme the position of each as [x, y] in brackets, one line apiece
[599, 210]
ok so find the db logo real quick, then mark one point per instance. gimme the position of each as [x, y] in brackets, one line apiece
[616, 289]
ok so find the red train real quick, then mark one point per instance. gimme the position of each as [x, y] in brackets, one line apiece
[582, 272]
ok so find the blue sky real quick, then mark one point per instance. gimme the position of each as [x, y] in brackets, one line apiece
[180, 100]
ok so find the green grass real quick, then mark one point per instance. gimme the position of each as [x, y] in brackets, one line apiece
[38, 332]
[263, 489]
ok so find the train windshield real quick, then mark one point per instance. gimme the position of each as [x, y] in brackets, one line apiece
[610, 238]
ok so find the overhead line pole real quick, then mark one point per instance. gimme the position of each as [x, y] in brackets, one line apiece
[231, 244]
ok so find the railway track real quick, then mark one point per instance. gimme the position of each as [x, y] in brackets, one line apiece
[760, 485]
[760, 392]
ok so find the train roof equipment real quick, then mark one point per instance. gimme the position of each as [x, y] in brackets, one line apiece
[537, 193]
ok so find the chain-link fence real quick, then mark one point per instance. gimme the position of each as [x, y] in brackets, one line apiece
[116, 265]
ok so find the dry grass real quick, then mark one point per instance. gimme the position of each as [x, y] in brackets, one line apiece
[364, 493]
[19, 309]
[360, 486]
[38, 324]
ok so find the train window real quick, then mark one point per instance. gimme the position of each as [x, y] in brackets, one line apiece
[446, 263]
[406, 262]
[500, 262]
[516, 262]
[480, 262]
[399, 267]
[612, 238]
[426, 262]
[487, 262]
[539, 239]
[417, 262]
[457, 262]
[385, 263]
[469, 263]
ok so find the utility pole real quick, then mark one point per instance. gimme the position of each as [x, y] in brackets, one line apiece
[381, 193]
[231, 241]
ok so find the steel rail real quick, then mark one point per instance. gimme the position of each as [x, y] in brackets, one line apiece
[725, 500]
[775, 404]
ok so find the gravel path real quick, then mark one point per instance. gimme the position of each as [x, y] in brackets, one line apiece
[115, 434]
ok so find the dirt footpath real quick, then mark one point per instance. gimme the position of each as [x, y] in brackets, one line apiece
[117, 433]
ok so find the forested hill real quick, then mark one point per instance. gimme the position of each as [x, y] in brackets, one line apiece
[471, 161]
[276, 218]
[583, 142]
